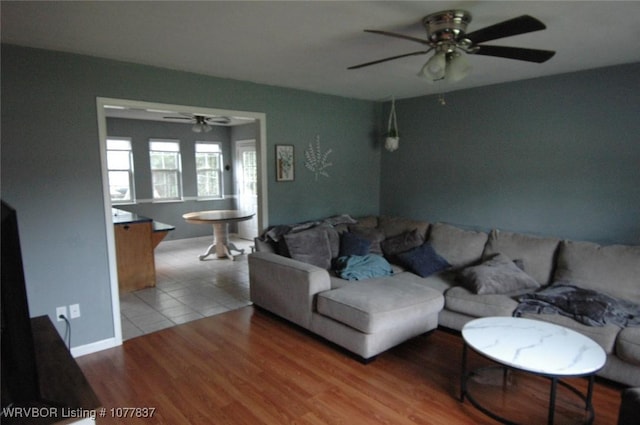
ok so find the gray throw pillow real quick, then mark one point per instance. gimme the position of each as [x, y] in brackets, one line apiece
[498, 275]
[391, 247]
[310, 246]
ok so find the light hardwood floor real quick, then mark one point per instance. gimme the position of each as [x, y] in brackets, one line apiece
[250, 367]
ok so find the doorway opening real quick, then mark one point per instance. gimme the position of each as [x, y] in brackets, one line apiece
[246, 176]
[255, 163]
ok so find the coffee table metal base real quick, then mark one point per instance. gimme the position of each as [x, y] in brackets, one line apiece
[464, 393]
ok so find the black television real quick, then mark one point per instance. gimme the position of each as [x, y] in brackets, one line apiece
[19, 377]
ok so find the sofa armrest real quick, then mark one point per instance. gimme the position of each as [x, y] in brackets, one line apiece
[286, 287]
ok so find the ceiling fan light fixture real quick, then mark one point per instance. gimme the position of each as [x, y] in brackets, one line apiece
[434, 69]
[201, 125]
[201, 128]
[458, 67]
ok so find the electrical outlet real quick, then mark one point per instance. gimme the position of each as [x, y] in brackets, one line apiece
[61, 311]
[74, 311]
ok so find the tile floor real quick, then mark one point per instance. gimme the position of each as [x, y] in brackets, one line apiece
[186, 288]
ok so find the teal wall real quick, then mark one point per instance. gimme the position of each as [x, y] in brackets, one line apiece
[51, 163]
[553, 156]
[556, 156]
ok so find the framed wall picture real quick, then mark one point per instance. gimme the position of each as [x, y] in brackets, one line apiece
[285, 169]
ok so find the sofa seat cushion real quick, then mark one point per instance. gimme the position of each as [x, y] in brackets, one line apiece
[441, 281]
[461, 300]
[628, 345]
[378, 304]
[603, 335]
[535, 253]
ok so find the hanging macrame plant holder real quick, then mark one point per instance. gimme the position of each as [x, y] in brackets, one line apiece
[392, 141]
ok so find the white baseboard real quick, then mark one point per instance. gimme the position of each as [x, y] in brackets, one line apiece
[94, 347]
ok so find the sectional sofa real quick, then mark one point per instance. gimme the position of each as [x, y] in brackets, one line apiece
[445, 275]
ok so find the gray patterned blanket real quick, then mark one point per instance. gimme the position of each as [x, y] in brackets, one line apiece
[588, 307]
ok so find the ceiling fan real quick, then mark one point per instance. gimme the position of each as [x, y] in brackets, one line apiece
[447, 36]
[202, 123]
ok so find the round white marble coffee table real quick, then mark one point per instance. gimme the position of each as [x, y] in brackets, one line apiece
[536, 347]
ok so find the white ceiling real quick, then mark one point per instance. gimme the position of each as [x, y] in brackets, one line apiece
[309, 44]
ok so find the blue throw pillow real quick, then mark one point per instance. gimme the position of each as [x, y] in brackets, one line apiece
[423, 260]
[351, 244]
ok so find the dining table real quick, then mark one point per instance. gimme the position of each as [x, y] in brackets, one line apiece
[220, 220]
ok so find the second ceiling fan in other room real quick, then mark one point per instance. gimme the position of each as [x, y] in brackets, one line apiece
[202, 123]
[448, 39]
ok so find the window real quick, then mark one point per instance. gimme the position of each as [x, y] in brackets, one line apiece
[209, 170]
[165, 169]
[120, 170]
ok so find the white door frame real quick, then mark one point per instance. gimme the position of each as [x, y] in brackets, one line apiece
[261, 151]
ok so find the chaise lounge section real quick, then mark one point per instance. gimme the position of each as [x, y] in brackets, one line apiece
[365, 317]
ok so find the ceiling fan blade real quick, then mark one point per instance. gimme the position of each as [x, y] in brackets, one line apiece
[520, 25]
[404, 37]
[178, 118]
[518, 53]
[217, 120]
[362, 65]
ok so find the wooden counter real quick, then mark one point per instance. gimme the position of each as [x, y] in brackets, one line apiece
[136, 238]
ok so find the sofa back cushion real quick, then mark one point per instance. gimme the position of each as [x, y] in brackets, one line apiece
[535, 253]
[613, 269]
[394, 226]
[313, 246]
[367, 221]
[458, 246]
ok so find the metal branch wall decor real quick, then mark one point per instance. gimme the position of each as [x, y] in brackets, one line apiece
[316, 161]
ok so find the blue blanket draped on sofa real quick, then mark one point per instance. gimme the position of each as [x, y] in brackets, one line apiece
[360, 267]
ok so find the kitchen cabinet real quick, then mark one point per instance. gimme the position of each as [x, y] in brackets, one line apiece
[136, 238]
